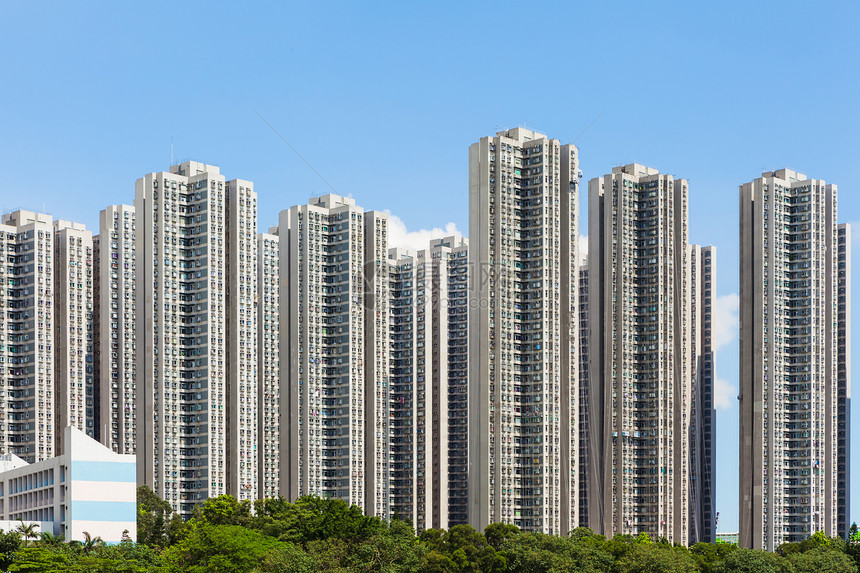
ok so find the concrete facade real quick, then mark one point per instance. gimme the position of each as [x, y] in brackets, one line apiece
[334, 369]
[74, 285]
[523, 349]
[644, 347]
[408, 428]
[428, 384]
[703, 429]
[195, 303]
[27, 316]
[87, 489]
[585, 474]
[788, 359]
[377, 341]
[843, 361]
[268, 370]
[114, 333]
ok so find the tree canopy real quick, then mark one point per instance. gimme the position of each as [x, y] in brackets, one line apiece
[318, 534]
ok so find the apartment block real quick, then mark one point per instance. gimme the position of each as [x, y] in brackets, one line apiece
[74, 285]
[703, 261]
[195, 296]
[242, 359]
[428, 384]
[334, 325]
[584, 443]
[27, 315]
[843, 366]
[377, 392]
[450, 284]
[645, 336]
[408, 427]
[87, 489]
[269, 357]
[523, 348]
[115, 334]
[789, 359]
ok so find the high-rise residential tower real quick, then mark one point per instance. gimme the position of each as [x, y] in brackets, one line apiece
[523, 349]
[408, 427]
[196, 362]
[115, 339]
[703, 261]
[27, 346]
[428, 384]
[450, 292]
[789, 359]
[843, 362]
[74, 285]
[268, 369]
[584, 442]
[643, 390]
[377, 392]
[334, 332]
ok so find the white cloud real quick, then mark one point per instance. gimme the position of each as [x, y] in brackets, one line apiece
[724, 394]
[725, 320]
[583, 247]
[400, 236]
[855, 232]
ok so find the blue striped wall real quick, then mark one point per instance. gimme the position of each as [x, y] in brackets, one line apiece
[103, 471]
[103, 510]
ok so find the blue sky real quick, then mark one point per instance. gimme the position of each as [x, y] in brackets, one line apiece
[383, 99]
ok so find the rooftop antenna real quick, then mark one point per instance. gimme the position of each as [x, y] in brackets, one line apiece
[171, 150]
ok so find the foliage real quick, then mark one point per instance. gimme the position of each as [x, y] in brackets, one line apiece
[219, 549]
[647, 557]
[498, 533]
[822, 560]
[315, 518]
[710, 556]
[27, 531]
[539, 553]
[10, 542]
[315, 534]
[751, 561]
[225, 510]
[157, 524]
[42, 559]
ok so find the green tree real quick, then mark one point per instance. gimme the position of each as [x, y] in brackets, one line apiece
[10, 542]
[436, 562]
[36, 559]
[211, 548]
[157, 524]
[497, 533]
[28, 531]
[288, 558]
[710, 556]
[744, 560]
[314, 518]
[646, 557]
[131, 557]
[619, 545]
[586, 535]
[50, 540]
[852, 545]
[463, 546]
[91, 542]
[393, 549]
[822, 559]
[540, 553]
[226, 510]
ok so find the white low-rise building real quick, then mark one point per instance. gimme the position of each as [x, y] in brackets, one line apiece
[87, 489]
